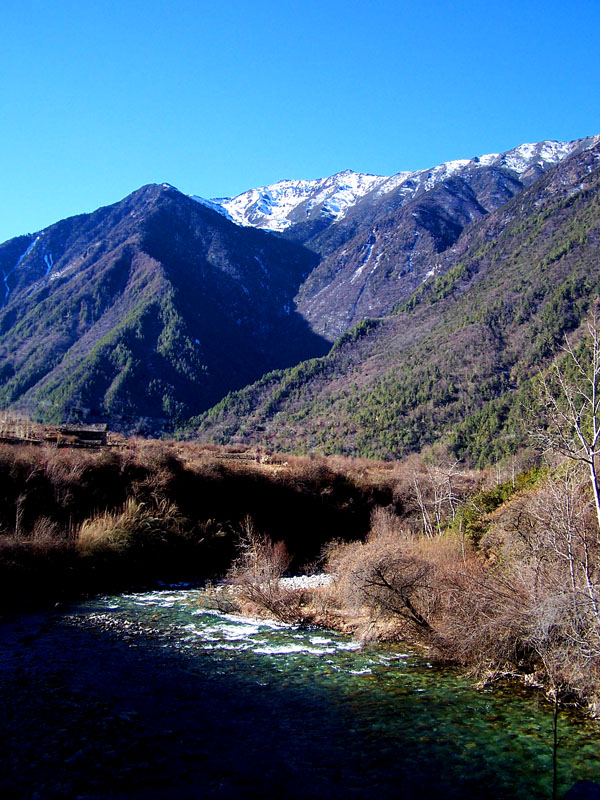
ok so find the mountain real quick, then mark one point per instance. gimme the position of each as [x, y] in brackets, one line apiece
[146, 312]
[149, 312]
[285, 203]
[378, 238]
[280, 205]
[455, 360]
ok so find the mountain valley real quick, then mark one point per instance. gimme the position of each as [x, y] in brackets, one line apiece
[443, 292]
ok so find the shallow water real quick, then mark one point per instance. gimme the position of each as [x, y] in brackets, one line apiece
[379, 721]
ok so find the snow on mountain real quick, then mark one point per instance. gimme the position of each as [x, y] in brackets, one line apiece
[279, 205]
[6, 275]
[522, 158]
[214, 205]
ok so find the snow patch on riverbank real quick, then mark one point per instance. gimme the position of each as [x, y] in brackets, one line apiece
[306, 581]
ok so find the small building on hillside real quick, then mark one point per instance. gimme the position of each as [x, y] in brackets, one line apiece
[94, 435]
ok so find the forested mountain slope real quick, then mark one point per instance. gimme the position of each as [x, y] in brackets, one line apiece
[146, 312]
[451, 362]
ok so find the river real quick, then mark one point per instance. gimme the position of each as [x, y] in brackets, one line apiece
[166, 698]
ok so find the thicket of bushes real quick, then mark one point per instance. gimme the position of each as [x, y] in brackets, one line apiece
[503, 580]
[74, 522]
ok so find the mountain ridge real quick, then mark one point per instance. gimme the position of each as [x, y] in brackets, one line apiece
[151, 311]
[287, 202]
[387, 237]
[123, 322]
[453, 363]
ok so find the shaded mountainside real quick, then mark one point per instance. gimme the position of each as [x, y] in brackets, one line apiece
[388, 249]
[146, 312]
[387, 244]
[455, 361]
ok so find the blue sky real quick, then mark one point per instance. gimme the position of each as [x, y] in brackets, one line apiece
[99, 98]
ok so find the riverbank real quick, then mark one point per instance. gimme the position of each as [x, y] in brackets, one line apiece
[497, 577]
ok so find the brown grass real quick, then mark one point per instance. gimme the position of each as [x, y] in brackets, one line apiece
[76, 521]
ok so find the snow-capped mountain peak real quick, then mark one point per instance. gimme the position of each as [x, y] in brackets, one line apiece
[520, 159]
[279, 205]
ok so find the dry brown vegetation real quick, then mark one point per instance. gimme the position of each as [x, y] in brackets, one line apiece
[256, 574]
[74, 521]
[497, 569]
[518, 598]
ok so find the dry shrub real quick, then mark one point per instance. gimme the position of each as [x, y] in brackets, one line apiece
[151, 453]
[135, 528]
[65, 466]
[209, 448]
[546, 543]
[30, 556]
[404, 474]
[502, 622]
[395, 583]
[485, 622]
[316, 471]
[438, 591]
[256, 576]
[431, 491]
[46, 530]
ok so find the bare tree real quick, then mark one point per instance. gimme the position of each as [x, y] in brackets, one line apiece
[556, 529]
[573, 406]
[549, 548]
[258, 570]
[395, 585]
[423, 507]
[437, 496]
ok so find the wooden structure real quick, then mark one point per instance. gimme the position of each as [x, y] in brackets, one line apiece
[85, 435]
[18, 430]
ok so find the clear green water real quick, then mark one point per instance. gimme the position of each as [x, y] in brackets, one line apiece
[384, 717]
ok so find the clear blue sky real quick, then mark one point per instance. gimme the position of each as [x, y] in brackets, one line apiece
[98, 98]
